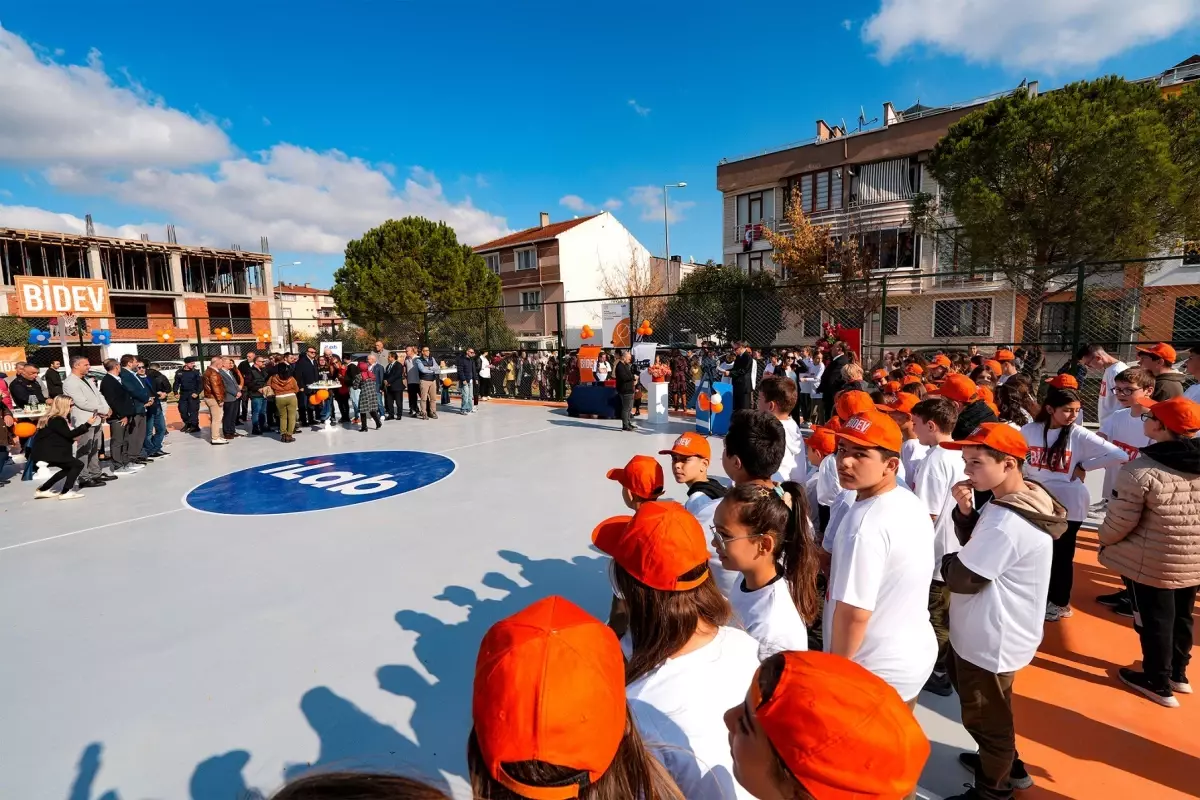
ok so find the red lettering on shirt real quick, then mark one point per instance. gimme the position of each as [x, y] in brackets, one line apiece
[1129, 449]
[1038, 460]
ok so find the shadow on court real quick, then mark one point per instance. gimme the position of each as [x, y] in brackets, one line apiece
[350, 738]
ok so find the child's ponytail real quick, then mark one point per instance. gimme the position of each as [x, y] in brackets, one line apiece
[798, 551]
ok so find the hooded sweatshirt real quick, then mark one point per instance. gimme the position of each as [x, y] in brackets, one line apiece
[1151, 533]
[971, 417]
[1168, 385]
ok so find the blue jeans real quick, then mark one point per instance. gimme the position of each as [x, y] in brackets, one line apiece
[326, 410]
[27, 449]
[258, 413]
[156, 428]
[354, 403]
[468, 402]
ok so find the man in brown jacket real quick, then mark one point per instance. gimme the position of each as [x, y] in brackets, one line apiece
[214, 401]
[1151, 537]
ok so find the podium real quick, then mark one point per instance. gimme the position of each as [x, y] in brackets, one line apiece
[656, 404]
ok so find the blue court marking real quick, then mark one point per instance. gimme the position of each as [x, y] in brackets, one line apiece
[318, 483]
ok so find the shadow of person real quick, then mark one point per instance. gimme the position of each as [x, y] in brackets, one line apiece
[220, 778]
[85, 775]
[441, 719]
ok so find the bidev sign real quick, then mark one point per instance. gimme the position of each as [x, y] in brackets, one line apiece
[50, 296]
[319, 483]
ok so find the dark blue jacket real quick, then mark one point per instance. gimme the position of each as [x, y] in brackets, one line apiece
[377, 371]
[466, 368]
[139, 391]
[149, 384]
[187, 382]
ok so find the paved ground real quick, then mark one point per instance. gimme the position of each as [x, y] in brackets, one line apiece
[155, 651]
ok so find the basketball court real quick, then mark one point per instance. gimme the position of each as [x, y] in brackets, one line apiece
[153, 647]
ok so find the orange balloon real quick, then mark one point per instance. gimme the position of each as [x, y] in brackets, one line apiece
[314, 400]
[446, 381]
[24, 430]
[323, 395]
[718, 408]
[703, 401]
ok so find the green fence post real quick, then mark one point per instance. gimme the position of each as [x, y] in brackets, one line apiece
[1077, 327]
[199, 343]
[633, 326]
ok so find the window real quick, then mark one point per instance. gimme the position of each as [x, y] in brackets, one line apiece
[885, 181]
[288, 298]
[812, 325]
[1058, 324]
[962, 318]
[754, 263]
[889, 249]
[531, 301]
[754, 208]
[493, 263]
[131, 316]
[287, 313]
[527, 259]
[1186, 326]
[891, 321]
[819, 191]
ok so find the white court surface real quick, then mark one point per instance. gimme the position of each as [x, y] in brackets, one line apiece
[149, 650]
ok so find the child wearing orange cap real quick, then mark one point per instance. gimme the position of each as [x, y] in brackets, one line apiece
[777, 397]
[1151, 537]
[641, 482]
[900, 410]
[1159, 360]
[550, 719]
[686, 664]
[1061, 453]
[764, 535]
[814, 725]
[690, 459]
[876, 610]
[999, 580]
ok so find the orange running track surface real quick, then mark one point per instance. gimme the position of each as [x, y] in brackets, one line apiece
[1082, 733]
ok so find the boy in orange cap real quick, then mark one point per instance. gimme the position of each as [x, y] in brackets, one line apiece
[1151, 537]
[973, 410]
[876, 610]
[1008, 364]
[641, 480]
[999, 583]
[819, 726]
[1159, 360]
[900, 410]
[690, 459]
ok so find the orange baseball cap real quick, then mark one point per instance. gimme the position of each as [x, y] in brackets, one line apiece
[852, 402]
[996, 435]
[834, 424]
[1180, 415]
[930, 388]
[841, 730]
[909, 380]
[892, 387]
[656, 545]
[986, 394]
[822, 440]
[549, 686]
[872, 429]
[904, 402]
[993, 365]
[1160, 349]
[642, 476]
[1005, 355]
[914, 369]
[879, 375]
[689, 444]
[1064, 381]
[941, 360]
[959, 388]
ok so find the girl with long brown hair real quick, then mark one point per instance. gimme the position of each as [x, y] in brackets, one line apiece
[550, 717]
[357, 786]
[686, 664]
[765, 535]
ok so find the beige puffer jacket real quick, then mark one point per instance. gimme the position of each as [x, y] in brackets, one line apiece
[1151, 534]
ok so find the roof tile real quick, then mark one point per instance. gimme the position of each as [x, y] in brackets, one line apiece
[535, 234]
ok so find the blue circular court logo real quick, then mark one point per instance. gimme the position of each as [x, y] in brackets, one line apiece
[317, 483]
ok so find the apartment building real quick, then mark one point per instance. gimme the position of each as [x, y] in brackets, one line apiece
[306, 310]
[861, 183]
[557, 263]
[168, 300]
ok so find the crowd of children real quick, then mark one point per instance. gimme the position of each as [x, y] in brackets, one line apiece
[920, 539]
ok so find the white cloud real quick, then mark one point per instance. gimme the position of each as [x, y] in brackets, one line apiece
[575, 203]
[41, 219]
[75, 114]
[1026, 33]
[303, 200]
[641, 111]
[847, 24]
[266, 122]
[650, 199]
[612, 204]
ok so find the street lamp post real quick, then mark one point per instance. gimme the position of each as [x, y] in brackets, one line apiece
[667, 227]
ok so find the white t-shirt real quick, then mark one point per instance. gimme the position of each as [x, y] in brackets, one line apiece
[704, 508]
[680, 706]
[999, 629]
[940, 470]
[1127, 432]
[1085, 449]
[602, 370]
[829, 488]
[881, 560]
[794, 466]
[1193, 393]
[770, 616]
[912, 453]
[485, 367]
[1107, 404]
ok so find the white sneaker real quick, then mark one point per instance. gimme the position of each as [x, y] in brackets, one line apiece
[219, 441]
[1055, 613]
[71, 495]
[128, 469]
[39, 494]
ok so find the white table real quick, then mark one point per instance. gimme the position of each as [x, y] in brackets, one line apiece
[329, 387]
[21, 413]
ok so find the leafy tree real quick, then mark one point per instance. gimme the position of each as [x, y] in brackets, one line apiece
[723, 303]
[1033, 187]
[405, 268]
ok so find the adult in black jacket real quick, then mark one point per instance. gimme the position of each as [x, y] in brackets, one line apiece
[465, 368]
[742, 376]
[832, 379]
[395, 382]
[625, 380]
[54, 381]
[25, 389]
[305, 372]
[121, 423]
[54, 445]
[244, 368]
[188, 386]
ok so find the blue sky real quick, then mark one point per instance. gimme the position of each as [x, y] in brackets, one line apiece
[309, 122]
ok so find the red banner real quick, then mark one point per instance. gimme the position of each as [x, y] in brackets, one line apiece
[587, 363]
[851, 336]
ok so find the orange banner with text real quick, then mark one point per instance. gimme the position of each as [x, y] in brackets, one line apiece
[9, 356]
[587, 363]
[49, 297]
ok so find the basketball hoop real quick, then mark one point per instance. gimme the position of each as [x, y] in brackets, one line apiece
[69, 323]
